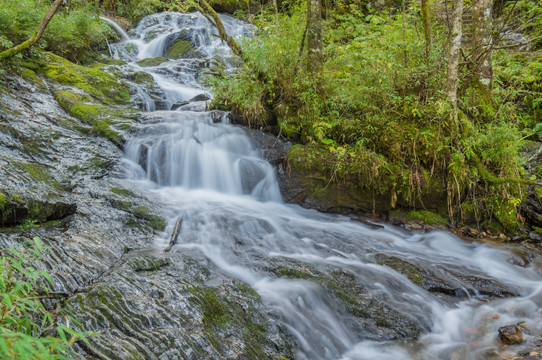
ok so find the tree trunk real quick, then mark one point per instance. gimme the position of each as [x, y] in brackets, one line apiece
[315, 60]
[426, 20]
[34, 39]
[481, 46]
[456, 35]
[214, 19]
[276, 8]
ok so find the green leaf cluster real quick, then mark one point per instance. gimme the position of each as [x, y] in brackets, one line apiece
[384, 94]
[73, 33]
[27, 329]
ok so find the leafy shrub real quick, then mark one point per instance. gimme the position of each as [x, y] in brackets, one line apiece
[383, 93]
[27, 329]
[74, 34]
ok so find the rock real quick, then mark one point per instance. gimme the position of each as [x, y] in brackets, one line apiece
[152, 61]
[510, 334]
[200, 97]
[179, 104]
[180, 49]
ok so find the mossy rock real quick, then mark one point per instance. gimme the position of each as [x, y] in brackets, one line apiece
[179, 49]
[402, 267]
[95, 82]
[140, 213]
[108, 61]
[228, 6]
[40, 173]
[142, 78]
[97, 116]
[427, 217]
[25, 213]
[148, 62]
[122, 192]
[361, 180]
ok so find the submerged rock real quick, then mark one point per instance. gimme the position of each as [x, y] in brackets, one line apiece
[510, 334]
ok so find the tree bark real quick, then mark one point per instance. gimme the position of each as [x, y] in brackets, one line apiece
[35, 38]
[426, 20]
[214, 19]
[482, 45]
[456, 35]
[315, 59]
[276, 8]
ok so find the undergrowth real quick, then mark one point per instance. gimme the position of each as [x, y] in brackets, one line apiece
[383, 94]
[28, 330]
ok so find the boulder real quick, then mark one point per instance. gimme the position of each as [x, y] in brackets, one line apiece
[510, 334]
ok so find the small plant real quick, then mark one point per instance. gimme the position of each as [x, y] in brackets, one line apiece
[27, 329]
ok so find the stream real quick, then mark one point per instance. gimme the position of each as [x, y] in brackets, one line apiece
[342, 289]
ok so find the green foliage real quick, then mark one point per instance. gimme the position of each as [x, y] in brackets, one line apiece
[27, 329]
[382, 113]
[179, 49]
[74, 34]
[526, 17]
[152, 61]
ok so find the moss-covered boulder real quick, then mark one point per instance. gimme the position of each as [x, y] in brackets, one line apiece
[16, 210]
[141, 78]
[99, 117]
[179, 49]
[148, 62]
[97, 83]
[362, 181]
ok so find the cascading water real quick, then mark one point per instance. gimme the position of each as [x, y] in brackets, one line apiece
[207, 171]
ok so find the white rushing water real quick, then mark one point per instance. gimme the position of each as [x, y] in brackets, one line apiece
[207, 171]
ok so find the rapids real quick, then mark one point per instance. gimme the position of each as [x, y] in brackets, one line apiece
[207, 171]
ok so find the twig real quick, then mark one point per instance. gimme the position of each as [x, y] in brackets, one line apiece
[175, 234]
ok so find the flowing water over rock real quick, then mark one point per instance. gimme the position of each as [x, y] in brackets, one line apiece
[340, 289]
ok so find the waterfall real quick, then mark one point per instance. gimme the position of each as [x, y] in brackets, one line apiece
[123, 35]
[341, 288]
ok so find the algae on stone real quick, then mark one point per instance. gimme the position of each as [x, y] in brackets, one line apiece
[180, 48]
[97, 116]
[148, 62]
[95, 82]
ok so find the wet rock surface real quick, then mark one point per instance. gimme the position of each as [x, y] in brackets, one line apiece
[64, 183]
[510, 334]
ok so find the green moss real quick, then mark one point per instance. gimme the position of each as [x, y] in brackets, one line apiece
[140, 212]
[427, 217]
[131, 48]
[294, 273]
[122, 205]
[95, 82]
[122, 192]
[39, 172]
[148, 263]
[157, 223]
[213, 311]
[97, 116]
[402, 267]
[248, 290]
[27, 224]
[151, 35]
[30, 75]
[134, 223]
[108, 61]
[504, 212]
[152, 61]
[141, 77]
[98, 163]
[179, 49]
[4, 200]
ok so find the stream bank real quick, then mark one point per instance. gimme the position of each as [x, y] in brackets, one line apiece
[215, 294]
